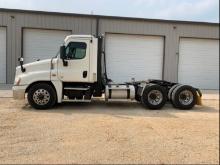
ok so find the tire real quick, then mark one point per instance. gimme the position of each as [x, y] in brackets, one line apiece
[137, 98]
[171, 91]
[184, 97]
[42, 96]
[148, 97]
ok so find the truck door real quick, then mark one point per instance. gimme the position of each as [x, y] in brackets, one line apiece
[77, 59]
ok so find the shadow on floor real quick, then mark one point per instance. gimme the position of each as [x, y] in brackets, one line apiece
[119, 109]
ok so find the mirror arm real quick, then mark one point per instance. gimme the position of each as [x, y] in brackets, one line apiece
[23, 69]
[65, 63]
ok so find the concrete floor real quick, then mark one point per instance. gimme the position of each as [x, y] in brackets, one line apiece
[112, 133]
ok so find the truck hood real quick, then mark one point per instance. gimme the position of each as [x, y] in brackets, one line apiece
[38, 65]
[34, 66]
[38, 70]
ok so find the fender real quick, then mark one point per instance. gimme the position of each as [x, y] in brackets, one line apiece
[59, 90]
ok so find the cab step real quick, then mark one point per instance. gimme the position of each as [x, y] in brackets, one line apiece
[78, 89]
[76, 101]
[66, 99]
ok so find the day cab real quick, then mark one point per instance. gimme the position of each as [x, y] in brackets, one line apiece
[78, 74]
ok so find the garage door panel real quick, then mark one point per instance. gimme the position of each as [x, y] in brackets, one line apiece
[199, 63]
[134, 56]
[2, 55]
[41, 44]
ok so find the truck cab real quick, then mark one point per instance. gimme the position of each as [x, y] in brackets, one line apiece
[79, 60]
[78, 74]
[74, 69]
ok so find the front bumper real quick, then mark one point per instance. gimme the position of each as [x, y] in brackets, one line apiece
[18, 92]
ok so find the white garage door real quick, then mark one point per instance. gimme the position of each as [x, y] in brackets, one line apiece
[199, 63]
[2, 55]
[134, 56]
[41, 44]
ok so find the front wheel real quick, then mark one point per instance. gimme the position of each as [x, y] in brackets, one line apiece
[42, 96]
[154, 97]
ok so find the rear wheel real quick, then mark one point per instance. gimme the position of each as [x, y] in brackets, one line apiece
[41, 96]
[154, 97]
[171, 91]
[184, 97]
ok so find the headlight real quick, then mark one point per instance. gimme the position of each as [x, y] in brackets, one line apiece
[17, 81]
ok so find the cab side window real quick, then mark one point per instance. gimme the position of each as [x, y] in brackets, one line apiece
[76, 50]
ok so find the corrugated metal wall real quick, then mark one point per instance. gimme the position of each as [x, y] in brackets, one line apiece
[16, 21]
[171, 31]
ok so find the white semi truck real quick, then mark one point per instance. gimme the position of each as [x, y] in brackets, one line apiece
[78, 74]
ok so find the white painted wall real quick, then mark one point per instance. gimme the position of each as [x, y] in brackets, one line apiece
[2, 55]
[199, 63]
[41, 44]
[134, 56]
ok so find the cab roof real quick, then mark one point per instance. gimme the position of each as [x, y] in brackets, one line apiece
[69, 37]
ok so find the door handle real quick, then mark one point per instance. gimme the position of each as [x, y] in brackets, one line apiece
[85, 74]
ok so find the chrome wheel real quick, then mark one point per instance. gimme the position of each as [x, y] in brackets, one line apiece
[186, 97]
[41, 97]
[155, 97]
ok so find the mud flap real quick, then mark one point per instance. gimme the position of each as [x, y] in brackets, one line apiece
[198, 97]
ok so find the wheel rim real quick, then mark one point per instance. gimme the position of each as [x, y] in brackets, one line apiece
[155, 97]
[186, 97]
[41, 97]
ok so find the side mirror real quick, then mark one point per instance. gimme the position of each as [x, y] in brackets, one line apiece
[63, 55]
[62, 52]
[21, 60]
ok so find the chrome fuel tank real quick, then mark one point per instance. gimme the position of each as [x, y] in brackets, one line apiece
[119, 92]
